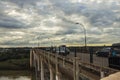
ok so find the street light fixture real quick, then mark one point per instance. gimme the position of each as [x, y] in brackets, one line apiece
[84, 34]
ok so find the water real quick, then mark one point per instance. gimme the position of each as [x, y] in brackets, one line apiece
[16, 75]
[13, 78]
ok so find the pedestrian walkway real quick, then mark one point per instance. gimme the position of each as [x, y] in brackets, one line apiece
[115, 76]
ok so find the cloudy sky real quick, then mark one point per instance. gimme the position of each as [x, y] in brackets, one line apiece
[53, 22]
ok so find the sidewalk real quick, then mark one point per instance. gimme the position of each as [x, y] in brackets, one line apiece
[115, 76]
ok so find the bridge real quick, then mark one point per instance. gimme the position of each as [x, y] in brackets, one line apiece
[51, 66]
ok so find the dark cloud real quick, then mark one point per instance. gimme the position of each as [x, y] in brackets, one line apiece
[12, 24]
[67, 29]
[22, 3]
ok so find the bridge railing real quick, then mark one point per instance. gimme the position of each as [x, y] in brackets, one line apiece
[76, 68]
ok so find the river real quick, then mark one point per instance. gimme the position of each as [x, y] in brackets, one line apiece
[16, 75]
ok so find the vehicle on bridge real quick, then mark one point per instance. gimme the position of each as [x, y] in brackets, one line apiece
[48, 49]
[114, 59]
[104, 52]
[116, 48]
[61, 50]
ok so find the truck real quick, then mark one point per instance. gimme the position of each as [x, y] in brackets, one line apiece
[61, 50]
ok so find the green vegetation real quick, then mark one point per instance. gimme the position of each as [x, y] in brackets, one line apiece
[14, 64]
[15, 73]
[14, 59]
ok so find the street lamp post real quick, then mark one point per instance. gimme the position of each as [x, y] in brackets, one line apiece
[38, 41]
[84, 34]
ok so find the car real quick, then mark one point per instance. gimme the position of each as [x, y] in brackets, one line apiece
[104, 52]
[61, 50]
[47, 49]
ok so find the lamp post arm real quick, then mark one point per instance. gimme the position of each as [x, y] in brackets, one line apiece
[84, 33]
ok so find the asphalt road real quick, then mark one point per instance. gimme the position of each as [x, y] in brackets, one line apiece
[85, 57]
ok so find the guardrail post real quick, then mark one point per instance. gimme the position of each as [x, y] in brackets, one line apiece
[76, 69]
[102, 74]
[56, 65]
[38, 62]
[50, 67]
[63, 62]
[51, 72]
[35, 65]
[91, 54]
[50, 57]
[34, 58]
[42, 69]
[31, 58]
[57, 71]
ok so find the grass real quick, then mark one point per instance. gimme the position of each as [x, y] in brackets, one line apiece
[15, 64]
[15, 73]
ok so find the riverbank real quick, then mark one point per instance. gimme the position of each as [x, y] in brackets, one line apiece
[15, 64]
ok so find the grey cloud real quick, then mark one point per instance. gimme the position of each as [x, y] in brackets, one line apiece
[49, 24]
[65, 32]
[12, 24]
[113, 32]
[94, 32]
[22, 3]
[101, 16]
[69, 29]
[97, 16]
[94, 40]
[67, 7]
